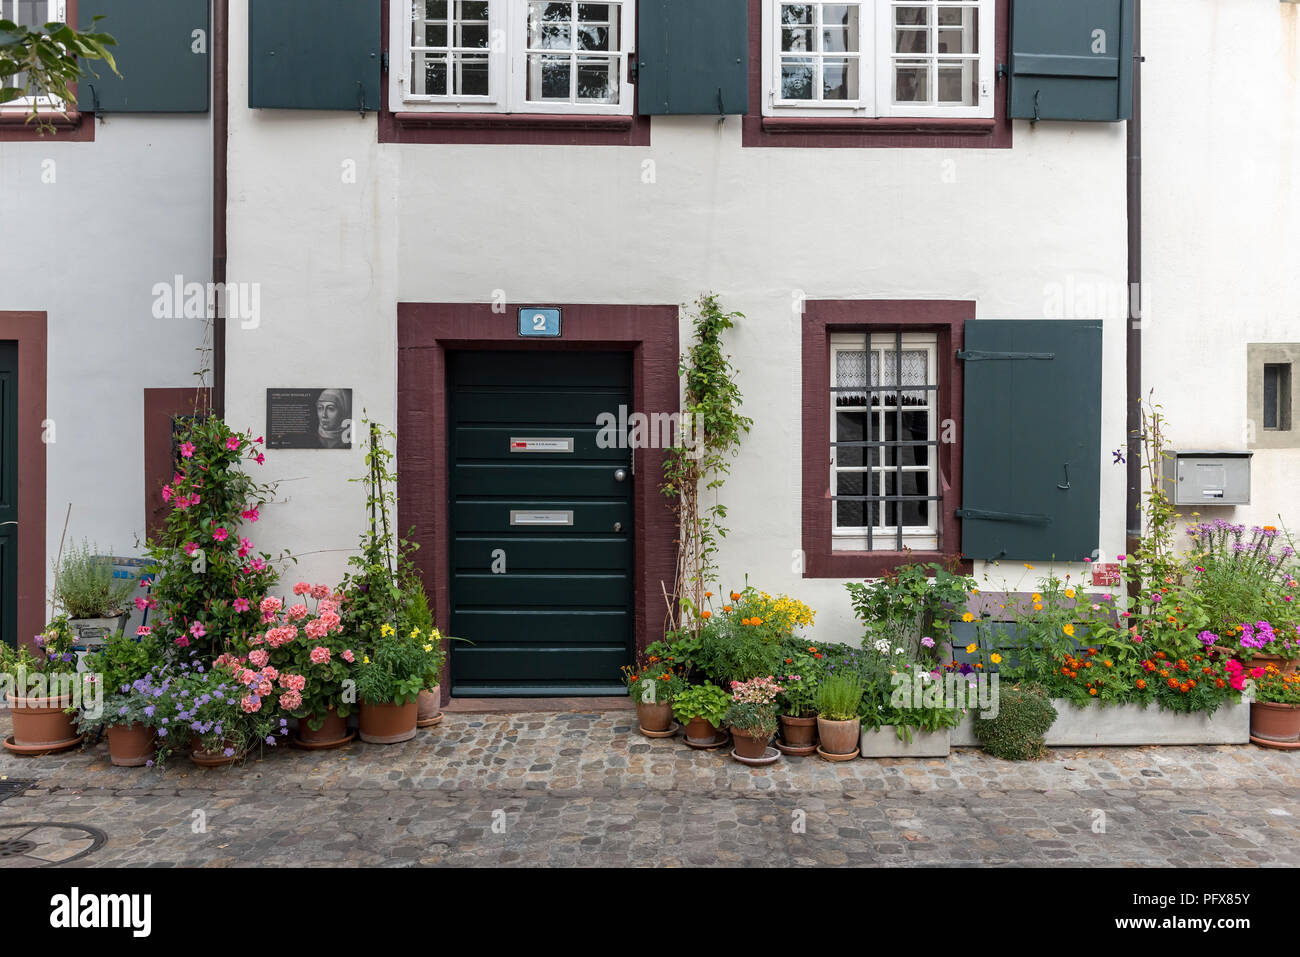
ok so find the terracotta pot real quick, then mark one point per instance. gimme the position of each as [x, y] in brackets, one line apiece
[427, 705]
[839, 737]
[699, 729]
[131, 745]
[213, 759]
[388, 723]
[748, 745]
[42, 721]
[1275, 722]
[654, 717]
[334, 729]
[798, 732]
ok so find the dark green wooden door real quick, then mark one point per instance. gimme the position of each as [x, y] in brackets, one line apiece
[541, 517]
[9, 492]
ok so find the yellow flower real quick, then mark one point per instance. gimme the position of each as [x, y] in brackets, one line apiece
[1037, 597]
[1038, 606]
[386, 629]
[968, 617]
[365, 659]
[995, 658]
[1029, 566]
[1068, 629]
[415, 632]
[428, 647]
[1069, 593]
[970, 649]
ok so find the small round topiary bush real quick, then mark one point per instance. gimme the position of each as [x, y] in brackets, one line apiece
[1016, 733]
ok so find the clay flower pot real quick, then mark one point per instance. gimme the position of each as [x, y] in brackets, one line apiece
[43, 722]
[213, 759]
[333, 732]
[839, 737]
[131, 745]
[798, 732]
[654, 717]
[1275, 722]
[749, 745]
[700, 731]
[388, 723]
[427, 703]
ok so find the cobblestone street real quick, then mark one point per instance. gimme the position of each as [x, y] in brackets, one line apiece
[587, 789]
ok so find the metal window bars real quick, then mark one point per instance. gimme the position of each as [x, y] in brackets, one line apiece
[877, 394]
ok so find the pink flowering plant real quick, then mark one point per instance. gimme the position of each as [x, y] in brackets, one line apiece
[304, 648]
[207, 578]
[228, 708]
[753, 706]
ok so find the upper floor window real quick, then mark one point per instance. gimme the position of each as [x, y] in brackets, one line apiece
[31, 14]
[514, 56]
[880, 58]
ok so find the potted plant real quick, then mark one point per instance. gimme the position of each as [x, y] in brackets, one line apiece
[798, 714]
[119, 706]
[838, 725]
[652, 684]
[94, 601]
[1275, 710]
[752, 716]
[701, 709]
[45, 691]
[219, 714]
[311, 662]
[389, 679]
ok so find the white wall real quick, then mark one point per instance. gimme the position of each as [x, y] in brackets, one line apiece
[1221, 219]
[578, 224]
[86, 230]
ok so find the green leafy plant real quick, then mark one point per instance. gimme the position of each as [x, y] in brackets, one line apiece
[837, 697]
[123, 660]
[85, 586]
[52, 653]
[909, 604]
[653, 680]
[47, 60]
[1025, 714]
[394, 671]
[747, 637]
[753, 707]
[800, 678]
[694, 471]
[706, 701]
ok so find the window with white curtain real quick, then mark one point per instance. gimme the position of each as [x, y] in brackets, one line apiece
[514, 56]
[880, 58]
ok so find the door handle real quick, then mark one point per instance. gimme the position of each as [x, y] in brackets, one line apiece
[620, 475]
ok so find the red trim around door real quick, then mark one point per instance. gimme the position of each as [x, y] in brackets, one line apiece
[29, 330]
[425, 333]
[160, 406]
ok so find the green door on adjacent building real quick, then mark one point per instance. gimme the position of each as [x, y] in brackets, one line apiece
[541, 517]
[9, 492]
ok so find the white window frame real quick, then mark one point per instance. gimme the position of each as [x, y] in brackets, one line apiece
[56, 12]
[885, 538]
[876, 66]
[508, 66]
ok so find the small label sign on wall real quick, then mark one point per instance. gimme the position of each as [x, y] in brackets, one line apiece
[544, 323]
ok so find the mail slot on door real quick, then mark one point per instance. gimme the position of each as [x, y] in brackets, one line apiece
[1203, 477]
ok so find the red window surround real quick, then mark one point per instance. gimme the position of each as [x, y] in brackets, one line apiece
[505, 129]
[160, 407]
[812, 131]
[75, 127]
[947, 319]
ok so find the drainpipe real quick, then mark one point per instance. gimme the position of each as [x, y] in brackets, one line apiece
[1133, 372]
[220, 129]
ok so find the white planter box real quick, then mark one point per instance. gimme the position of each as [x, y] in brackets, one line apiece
[884, 743]
[1131, 725]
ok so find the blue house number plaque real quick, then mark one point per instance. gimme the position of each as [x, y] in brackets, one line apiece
[539, 322]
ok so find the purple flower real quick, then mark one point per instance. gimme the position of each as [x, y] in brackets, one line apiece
[229, 752]
[162, 732]
[270, 739]
[928, 641]
[1208, 638]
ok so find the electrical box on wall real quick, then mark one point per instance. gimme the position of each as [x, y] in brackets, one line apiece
[1203, 477]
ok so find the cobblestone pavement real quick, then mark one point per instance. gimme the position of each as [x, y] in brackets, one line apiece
[587, 789]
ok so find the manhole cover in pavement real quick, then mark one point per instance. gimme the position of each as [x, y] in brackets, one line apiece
[45, 843]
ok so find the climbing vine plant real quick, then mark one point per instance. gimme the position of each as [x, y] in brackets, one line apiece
[696, 468]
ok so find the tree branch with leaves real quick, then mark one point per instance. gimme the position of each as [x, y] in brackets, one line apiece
[47, 60]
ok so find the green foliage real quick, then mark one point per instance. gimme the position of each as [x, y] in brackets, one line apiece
[1024, 716]
[837, 696]
[692, 470]
[123, 660]
[706, 701]
[47, 60]
[53, 654]
[746, 638]
[910, 603]
[753, 706]
[395, 669]
[86, 587]
[653, 679]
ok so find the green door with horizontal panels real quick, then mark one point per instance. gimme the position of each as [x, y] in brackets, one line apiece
[542, 520]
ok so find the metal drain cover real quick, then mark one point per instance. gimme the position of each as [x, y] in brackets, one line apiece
[46, 843]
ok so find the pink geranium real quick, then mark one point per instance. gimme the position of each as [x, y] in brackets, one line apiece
[302, 588]
[348, 656]
[320, 655]
[259, 657]
[251, 704]
[291, 701]
[297, 612]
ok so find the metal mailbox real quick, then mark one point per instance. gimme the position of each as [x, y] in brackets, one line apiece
[1208, 477]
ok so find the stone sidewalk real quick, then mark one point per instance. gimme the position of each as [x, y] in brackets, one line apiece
[587, 788]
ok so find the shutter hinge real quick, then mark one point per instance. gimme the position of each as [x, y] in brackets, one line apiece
[1003, 70]
[974, 355]
[631, 67]
[383, 61]
[1023, 518]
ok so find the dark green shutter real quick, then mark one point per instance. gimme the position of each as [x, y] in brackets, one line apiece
[314, 54]
[1058, 69]
[692, 57]
[1031, 434]
[162, 54]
